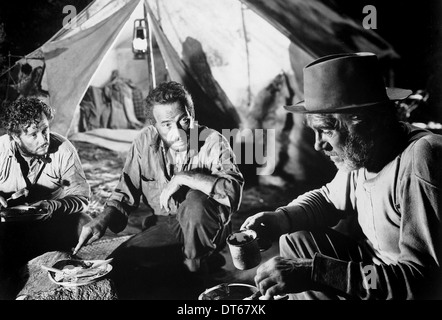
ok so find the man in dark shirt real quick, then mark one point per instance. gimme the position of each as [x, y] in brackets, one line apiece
[389, 181]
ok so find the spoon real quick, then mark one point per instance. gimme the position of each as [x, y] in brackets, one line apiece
[18, 194]
[92, 264]
[96, 264]
[52, 269]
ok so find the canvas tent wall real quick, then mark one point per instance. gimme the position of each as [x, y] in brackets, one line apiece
[73, 56]
[255, 51]
[248, 43]
[241, 60]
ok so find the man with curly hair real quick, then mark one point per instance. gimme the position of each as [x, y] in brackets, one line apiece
[43, 188]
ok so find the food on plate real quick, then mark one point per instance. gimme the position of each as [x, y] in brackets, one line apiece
[78, 271]
[22, 209]
[21, 213]
[73, 274]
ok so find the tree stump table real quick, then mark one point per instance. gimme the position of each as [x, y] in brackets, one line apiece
[36, 284]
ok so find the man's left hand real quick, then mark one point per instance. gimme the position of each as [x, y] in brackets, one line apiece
[279, 276]
[44, 206]
[171, 188]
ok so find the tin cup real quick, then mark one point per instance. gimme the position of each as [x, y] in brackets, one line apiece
[244, 249]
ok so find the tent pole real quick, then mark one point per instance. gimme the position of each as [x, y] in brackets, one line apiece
[246, 41]
[150, 55]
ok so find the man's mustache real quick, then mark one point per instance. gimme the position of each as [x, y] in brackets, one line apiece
[330, 154]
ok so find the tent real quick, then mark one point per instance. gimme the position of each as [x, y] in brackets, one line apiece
[241, 60]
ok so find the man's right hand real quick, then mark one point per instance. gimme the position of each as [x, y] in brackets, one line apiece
[91, 232]
[3, 203]
[266, 224]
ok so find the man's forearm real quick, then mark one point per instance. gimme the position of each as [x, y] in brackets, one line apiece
[68, 205]
[202, 182]
[112, 218]
[284, 221]
[311, 210]
[375, 281]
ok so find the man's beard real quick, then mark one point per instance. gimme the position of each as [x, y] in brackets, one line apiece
[39, 152]
[358, 152]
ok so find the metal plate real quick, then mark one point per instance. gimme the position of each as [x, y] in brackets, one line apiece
[71, 280]
[21, 213]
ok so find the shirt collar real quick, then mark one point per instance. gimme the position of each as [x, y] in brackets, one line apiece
[155, 142]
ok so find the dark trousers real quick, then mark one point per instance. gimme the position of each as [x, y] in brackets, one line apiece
[23, 241]
[304, 244]
[198, 229]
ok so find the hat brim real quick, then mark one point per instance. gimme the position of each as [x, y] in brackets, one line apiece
[393, 94]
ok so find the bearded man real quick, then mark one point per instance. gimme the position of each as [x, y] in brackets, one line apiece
[44, 193]
[389, 181]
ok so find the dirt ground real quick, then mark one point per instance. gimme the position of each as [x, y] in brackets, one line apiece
[102, 168]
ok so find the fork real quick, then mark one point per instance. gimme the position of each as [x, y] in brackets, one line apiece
[18, 194]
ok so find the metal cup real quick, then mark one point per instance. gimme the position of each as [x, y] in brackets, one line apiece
[244, 249]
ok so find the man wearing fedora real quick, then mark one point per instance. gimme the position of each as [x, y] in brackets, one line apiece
[389, 181]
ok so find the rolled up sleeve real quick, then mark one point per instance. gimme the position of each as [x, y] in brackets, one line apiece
[222, 163]
[127, 194]
[73, 177]
[75, 188]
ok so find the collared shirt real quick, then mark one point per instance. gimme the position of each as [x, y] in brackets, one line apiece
[399, 211]
[62, 174]
[148, 169]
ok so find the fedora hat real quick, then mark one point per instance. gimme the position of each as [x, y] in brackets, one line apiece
[343, 82]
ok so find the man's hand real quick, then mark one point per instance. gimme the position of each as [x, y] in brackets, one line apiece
[173, 186]
[43, 206]
[90, 232]
[279, 276]
[266, 224]
[20, 193]
[3, 203]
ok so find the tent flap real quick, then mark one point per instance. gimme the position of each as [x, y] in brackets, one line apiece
[71, 63]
